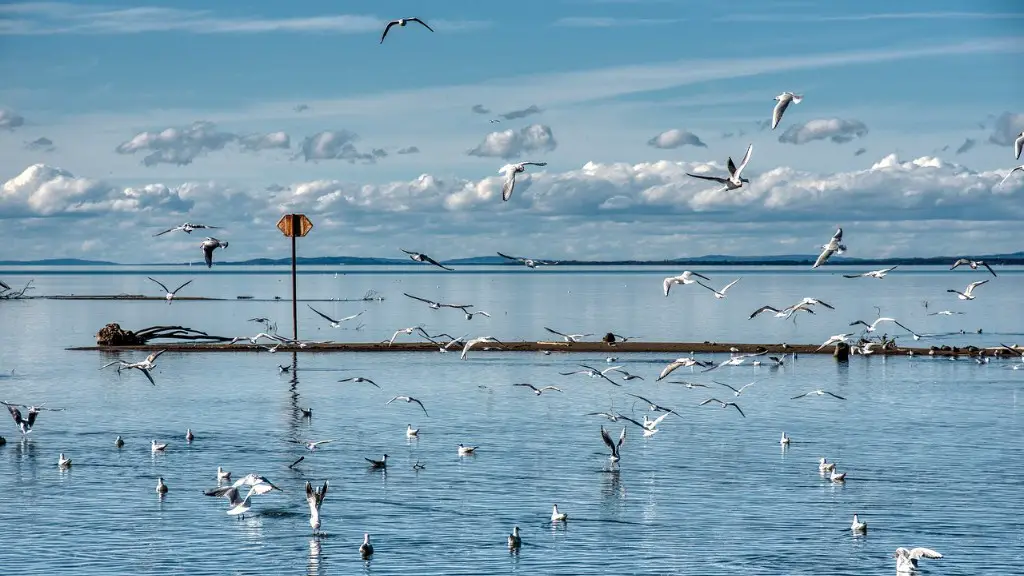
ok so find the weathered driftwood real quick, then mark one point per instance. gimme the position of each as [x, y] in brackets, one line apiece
[8, 293]
[113, 335]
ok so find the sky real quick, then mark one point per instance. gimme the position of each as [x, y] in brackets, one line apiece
[121, 119]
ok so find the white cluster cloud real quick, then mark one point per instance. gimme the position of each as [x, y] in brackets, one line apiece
[180, 146]
[894, 196]
[9, 119]
[675, 138]
[337, 145]
[1005, 128]
[837, 130]
[510, 144]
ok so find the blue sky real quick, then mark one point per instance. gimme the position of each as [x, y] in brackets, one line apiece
[380, 145]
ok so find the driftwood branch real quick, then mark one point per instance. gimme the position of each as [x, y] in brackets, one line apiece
[113, 335]
[8, 293]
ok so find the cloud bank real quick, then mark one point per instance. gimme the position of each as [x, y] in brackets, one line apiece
[516, 114]
[41, 144]
[675, 138]
[181, 146]
[509, 144]
[337, 145]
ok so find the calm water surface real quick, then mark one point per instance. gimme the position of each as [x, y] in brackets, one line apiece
[929, 445]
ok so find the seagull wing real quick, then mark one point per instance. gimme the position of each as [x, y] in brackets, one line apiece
[727, 386]
[160, 283]
[924, 553]
[737, 407]
[507, 257]
[834, 395]
[727, 286]
[166, 231]
[639, 397]
[528, 385]
[182, 286]
[436, 263]
[973, 285]
[607, 439]
[709, 400]
[421, 405]
[763, 309]
[989, 268]
[855, 275]
[556, 332]
[535, 163]
[711, 178]
[825, 304]
[743, 164]
[1018, 144]
[554, 388]
[421, 22]
[148, 375]
[801, 396]
[509, 185]
[152, 357]
[386, 28]
[825, 254]
[324, 316]
[706, 286]
[959, 262]
[780, 109]
[208, 253]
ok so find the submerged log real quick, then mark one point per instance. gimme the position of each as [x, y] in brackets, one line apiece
[113, 335]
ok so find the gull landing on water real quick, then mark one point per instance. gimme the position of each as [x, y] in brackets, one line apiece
[612, 445]
[685, 278]
[967, 294]
[510, 171]
[144, 366]
[170, 293]
[734, 181]
[834, 246]
[315, 497]
[209, 245]
[784, 101]
[906, 560]
[187, 228]
[402, 22]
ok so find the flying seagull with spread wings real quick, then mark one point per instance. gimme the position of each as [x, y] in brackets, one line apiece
[187, 228]
[420, 257]
[784, 100]
[510, 171]
[528, 262]
[834, 246]
[973, 264]
[170, 293]
[402, 22]
[734, 181]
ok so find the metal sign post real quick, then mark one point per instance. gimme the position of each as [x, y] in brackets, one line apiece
[294, 226]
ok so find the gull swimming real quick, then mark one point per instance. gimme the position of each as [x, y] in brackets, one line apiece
[825, 466]
[528, 262]
[118, 442]
[968, 294]
[189, 436]
[873, 274]
[724, 405]
[1010, 173]
[464, 450]
[170, 293]
[593, 373]
[538, 391]
[557, 516]
[944, 313]
[785, 440]
[837, 477]
[784, 100]
[408, 399]
[974, 264]
[510, 171]
[63, 462]
[719, 294]
[420, 257]
[161, 488]
[835, 245]
[479, 340]
[209, 245]
[402, 22]
[734, 180]
[612, 445]
[144, 366]
[906, 560]
[411, 432]
[187, 228]
[223, 474]
[155, 446]
[366, 549]
[568, 337]
[685, 278]
[858, 526]
[358, 379]
[335, 323]
[378, 464]
[818, 393]
[315, 498]
[736, 391]
[514, 541]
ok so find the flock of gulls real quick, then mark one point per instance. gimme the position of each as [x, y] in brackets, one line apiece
[239, 493]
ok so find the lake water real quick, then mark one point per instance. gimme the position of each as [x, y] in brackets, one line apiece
[929, 445]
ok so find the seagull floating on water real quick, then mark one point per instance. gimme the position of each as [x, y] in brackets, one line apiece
[366, 549]
[510, 171]
[973, 264]
[170, 293]
[557, 516]
[514, 541]
[315, 498]
[784, 101]
[825, 466]
[906, 560]
[873, 274]
[858, 526]
[378, 464]
[402, 22]
[464, 450]
[189, 436]
[685, 278]
[835, 245]
[155, 446]
[187, 228]
[411, 432]
[63, 461]
[118, 442]
[161, 488]
[734, 180]
[968, 294]
[785, 440]
[420, 257]
[209, 245]
[223, 474]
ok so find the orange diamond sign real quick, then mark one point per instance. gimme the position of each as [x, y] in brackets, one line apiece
[294, 225]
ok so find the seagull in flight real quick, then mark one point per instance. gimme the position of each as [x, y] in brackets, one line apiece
[873, 274]
[871, 327]
[968, 294]
[170, 293]
[144, 366]
[408, 399]
[469, 315]
[974, 264]
[719, 294]
[735, 391]
[359, 379]
[568, 337]
[209, 245]
[24, 424]
[613, 446]
[734, 360]
[479, 340]
[906, 560]
[538, 391]
[734, 180]
[685, 278]
[510, 171]
[408, 330]
[684, 362]
[420, 257]
[335, 323]
[784, 313]
[818, 393]
[835, 245]
[626, 375]
[187, 228]
[402, 22]
[315, 497]
[528, 262]
[1010, 173]
[836, 339]
[437, 305]
[944, 313]
[724, 405]
[1018, 144]
[312, 446]
[654, 407]
[594, 373]
[784, 101]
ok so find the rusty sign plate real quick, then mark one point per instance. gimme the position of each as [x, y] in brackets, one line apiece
[294, 225]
